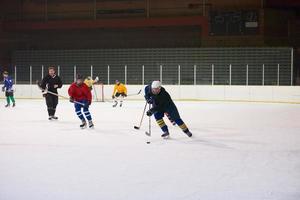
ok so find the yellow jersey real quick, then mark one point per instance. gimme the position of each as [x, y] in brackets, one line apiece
[121, 88]
[89, 82]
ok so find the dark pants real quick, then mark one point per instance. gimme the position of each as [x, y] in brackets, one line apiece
[51, 102]
[174, 115]
[120, 94]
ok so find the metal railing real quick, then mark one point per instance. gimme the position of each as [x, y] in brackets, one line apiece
[172, 75]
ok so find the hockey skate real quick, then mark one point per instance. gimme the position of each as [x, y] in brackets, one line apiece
[54, 117]
[165, 135]
[116, 103]
[188, 133]
[83, 125]
[91, 125]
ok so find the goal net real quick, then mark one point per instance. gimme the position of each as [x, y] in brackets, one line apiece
[98, 92]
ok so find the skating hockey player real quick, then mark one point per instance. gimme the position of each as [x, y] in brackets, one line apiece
[81, 95]
[119, 93]
[162, 103]
[51, 83]
[90, 82]
[8, 89]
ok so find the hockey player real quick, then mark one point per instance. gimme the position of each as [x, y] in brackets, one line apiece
[90, 82]
[51, 83]
[120, 91]
[162, 103]
[79, 92]
[8, 89]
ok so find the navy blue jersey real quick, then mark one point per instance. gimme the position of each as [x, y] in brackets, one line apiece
[160, 102]
[8, 84]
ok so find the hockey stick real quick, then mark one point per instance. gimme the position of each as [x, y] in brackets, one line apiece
[148, 133]
[58, 95]
[138, 127]
[49, 92]
[134, 94]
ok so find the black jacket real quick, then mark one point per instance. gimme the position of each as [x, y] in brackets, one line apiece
[160, 102]
[49, 82]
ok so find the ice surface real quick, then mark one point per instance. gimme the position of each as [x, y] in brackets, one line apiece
[242, 151]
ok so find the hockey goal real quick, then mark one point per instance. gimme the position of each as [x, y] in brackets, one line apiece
[98, 92]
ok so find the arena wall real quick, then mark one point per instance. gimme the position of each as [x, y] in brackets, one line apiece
[275, 94]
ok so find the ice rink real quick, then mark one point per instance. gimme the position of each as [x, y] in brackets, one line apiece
[240, 151]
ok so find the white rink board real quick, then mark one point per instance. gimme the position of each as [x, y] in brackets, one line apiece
[191, 92]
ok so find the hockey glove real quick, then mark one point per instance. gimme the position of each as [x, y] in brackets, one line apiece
[71, 100]
[87, 105]
[125, 95]
[113, 96]
[3, 89]
[150, 101]
[44, 93]
[150, 112]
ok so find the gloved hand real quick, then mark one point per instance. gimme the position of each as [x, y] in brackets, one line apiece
[150, 112]
[44, 93]
[71, 100]
[113, 96]
[150, 101]
[87, 104]
[125, 95]
[3, 89]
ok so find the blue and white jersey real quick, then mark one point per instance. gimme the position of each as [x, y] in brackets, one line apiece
[8, 84]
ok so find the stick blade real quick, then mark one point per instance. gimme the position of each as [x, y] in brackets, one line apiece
[136, 127]
[148, 134]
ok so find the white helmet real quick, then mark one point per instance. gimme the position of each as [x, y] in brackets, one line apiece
[156, 84]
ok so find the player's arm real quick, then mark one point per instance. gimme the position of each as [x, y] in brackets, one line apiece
[71, 93]
[59, 83]
[114, 92]
[147, 96]
[96, 80]
[4, 86]
[44, 82]
[88, 95]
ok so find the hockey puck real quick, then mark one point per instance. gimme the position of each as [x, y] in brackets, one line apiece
[148, 142]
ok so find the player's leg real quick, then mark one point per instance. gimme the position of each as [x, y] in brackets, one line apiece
[80, 114]
[7, 99]
[88, 116]
[161, 123]
[116, 99]
[12, 99]
[49, 103]
[55, 102]
[121, 99]
[170, 119]
[174, 114]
